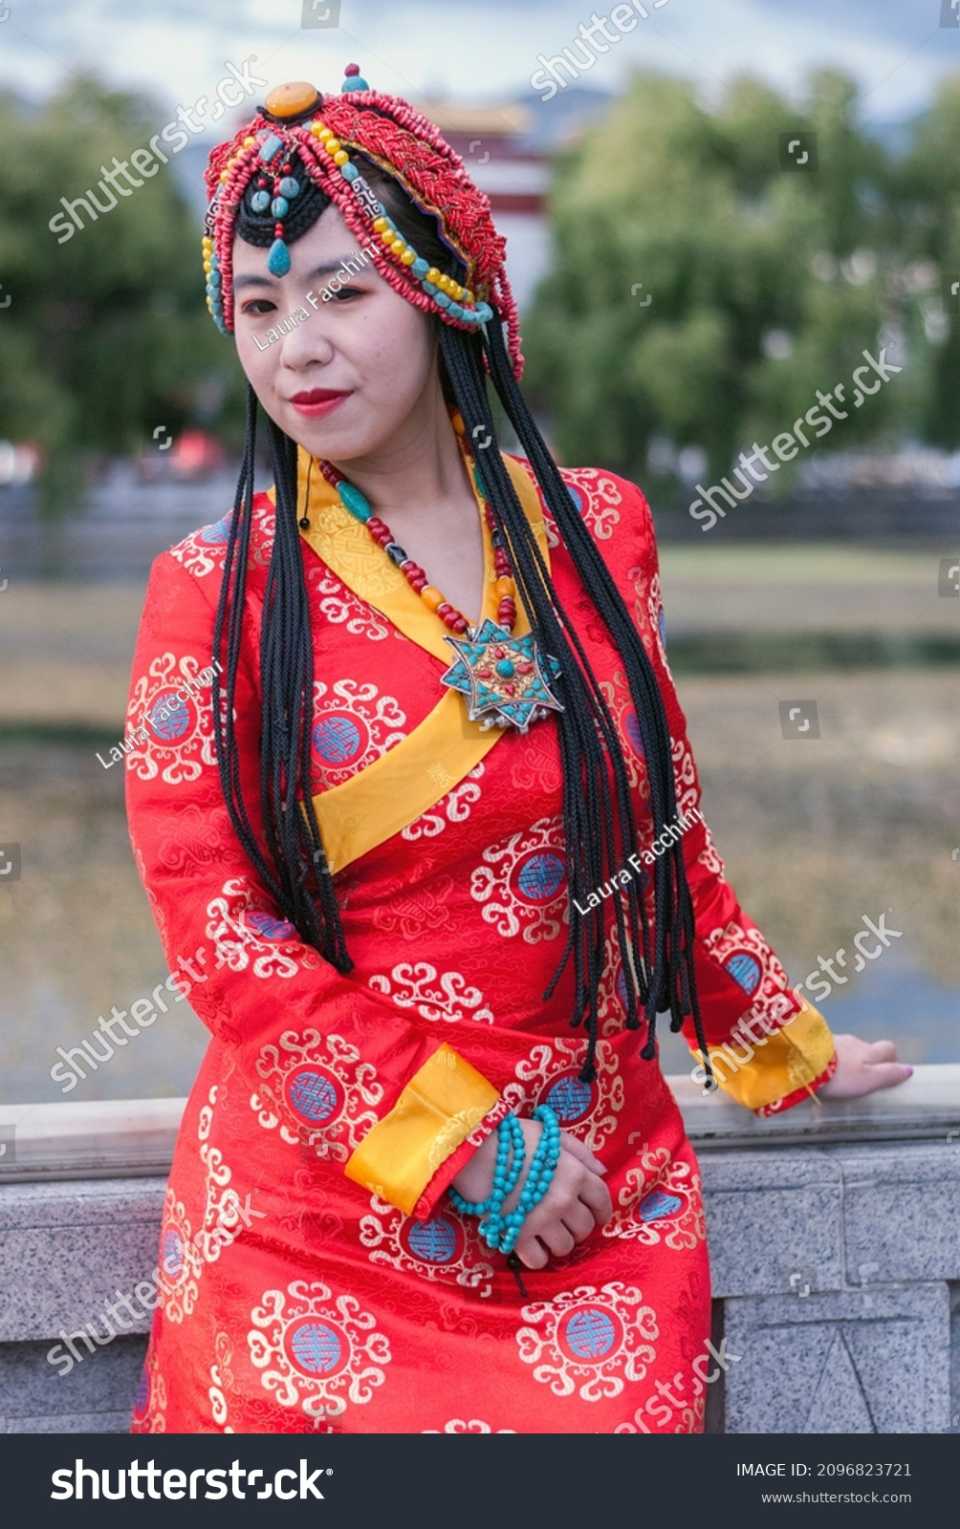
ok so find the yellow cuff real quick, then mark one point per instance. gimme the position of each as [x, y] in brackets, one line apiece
[788, 1059]
[443, 1102]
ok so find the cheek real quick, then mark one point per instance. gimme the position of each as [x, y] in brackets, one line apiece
[259, 364]
[396, 356]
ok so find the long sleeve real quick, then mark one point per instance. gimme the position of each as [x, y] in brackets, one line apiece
[330, 1064]
[770, 1048]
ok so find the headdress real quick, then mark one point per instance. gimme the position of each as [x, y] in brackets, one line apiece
[322, 131]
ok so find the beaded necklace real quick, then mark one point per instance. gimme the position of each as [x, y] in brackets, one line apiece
[503, 678]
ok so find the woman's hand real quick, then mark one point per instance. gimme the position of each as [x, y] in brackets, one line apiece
[863, 1067]
[576, 1202]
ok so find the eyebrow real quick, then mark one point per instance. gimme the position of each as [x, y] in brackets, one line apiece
[326, 269]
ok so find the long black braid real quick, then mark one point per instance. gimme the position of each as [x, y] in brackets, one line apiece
[599, 835]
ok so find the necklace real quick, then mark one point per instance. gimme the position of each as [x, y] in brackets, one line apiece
[505, 680]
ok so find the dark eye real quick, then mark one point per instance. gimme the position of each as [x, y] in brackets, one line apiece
[348, 292]
[255, 306]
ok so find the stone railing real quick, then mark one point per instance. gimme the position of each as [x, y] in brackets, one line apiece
[834, 1235]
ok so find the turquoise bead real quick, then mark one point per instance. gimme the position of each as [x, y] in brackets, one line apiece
[505, 668]
[355, 501]
[289, 187]
[260, 201]
[349, 172]
[269, 147]
[443, 298]
[279, 207]
[420, 266]
[278, 260]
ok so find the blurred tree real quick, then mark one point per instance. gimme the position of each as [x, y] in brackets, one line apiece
[702, 286]
[106, 335]
[926, 211]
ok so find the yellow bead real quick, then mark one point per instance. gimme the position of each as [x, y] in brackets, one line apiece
[224, 175]
[504, 587]
[332, 145]
[431, 596]
[386, 236]
[249, 141]
[380, 224]
[341, 157]
[291, 99]
[408, 256]
[433, 275]
[467, 295]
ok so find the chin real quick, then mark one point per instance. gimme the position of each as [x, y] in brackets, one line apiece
[324, 437]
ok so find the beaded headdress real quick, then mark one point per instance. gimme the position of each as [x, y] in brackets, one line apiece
[322, 130]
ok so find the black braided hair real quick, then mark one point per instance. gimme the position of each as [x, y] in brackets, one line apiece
[599, 827]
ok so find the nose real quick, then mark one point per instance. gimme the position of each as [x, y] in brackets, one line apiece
[306, 343]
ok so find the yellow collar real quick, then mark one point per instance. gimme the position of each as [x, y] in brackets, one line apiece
[349, 551]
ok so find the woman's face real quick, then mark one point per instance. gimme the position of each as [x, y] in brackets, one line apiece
[364, 340]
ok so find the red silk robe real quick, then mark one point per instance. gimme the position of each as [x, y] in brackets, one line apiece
[313, 1274]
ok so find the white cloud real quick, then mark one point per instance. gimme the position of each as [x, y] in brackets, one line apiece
[474, 49]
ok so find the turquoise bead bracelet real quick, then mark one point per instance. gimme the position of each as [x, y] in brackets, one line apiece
[509, 1145]
[538, 1179]
[500, 1232]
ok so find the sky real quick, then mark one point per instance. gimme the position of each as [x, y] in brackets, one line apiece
[476, 50]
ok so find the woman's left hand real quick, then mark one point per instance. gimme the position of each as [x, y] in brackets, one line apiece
[863, 1067]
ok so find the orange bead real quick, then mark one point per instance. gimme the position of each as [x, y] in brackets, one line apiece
[431, 596]
[291, 99]
[503, 587]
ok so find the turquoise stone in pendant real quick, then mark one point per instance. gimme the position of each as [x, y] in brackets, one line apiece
[278, 260]
[505, 668]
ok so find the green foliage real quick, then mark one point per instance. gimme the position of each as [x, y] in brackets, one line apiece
[106, 334]
[702, 292]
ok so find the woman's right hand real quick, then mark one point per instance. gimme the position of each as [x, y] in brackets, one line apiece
[576, 1202]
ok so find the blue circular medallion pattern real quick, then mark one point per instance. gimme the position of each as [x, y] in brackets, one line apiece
[631, 725]
[569, 1097]
[658, 1204]
[315, 1347]
[590, 1333]
[169, 717]
[313, 1096]
[541, 876]
[337, 738]
[171, 1253]
[215, 535]
[744, 969]
[434, 1241]
[270, 927]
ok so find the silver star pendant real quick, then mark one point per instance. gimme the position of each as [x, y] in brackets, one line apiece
[503, 677]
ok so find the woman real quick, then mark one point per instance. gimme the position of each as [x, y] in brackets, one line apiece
[418, 818]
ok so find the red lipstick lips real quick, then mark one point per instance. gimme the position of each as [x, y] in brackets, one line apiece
[316, 401]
